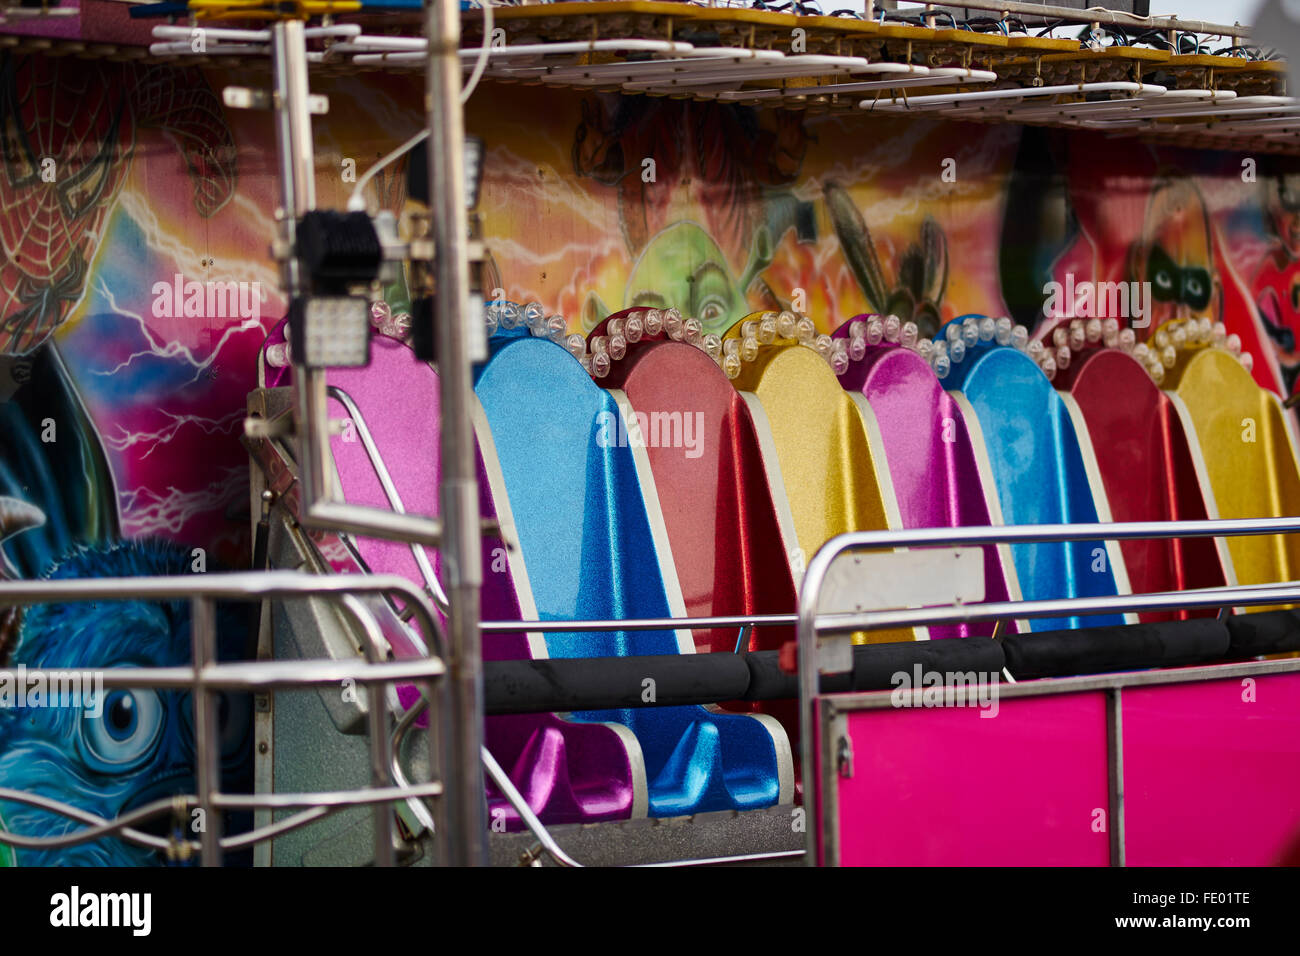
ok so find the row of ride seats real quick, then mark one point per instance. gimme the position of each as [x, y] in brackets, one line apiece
[737, 480]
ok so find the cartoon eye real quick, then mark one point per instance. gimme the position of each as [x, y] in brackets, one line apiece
[125, 732]
[1196, 288]
[712, 308]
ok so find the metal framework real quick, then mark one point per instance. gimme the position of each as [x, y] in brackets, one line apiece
[814, 627]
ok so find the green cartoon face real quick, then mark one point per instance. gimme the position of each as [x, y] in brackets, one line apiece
[683, 268]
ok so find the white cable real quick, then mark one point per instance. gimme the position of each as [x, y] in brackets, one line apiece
[481, 65]
[357, 201]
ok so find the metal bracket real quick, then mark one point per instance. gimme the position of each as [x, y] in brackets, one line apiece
[839, 729]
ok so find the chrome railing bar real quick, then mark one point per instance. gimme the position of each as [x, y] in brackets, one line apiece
[535, 826]
[643, 624]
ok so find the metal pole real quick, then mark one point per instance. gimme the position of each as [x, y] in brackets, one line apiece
[203, 629]
[466, 794]
[298, 196]
[377, 729]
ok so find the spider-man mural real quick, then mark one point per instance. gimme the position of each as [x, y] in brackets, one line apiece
[68, 132]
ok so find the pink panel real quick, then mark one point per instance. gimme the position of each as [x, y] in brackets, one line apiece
[1211, 779]
[945, 786]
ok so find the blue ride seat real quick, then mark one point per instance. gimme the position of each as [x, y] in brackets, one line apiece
[595, 547]
[1036, 463]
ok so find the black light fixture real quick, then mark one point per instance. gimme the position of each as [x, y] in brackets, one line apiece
[331, 328]
[417, 171]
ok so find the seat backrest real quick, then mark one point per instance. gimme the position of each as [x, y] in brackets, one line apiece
[928, 449]
[1041, 471]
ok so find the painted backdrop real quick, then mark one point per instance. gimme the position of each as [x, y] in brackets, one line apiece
[136, 287]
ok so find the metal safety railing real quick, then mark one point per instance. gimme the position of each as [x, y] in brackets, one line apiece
[812, 624]
[205, 676]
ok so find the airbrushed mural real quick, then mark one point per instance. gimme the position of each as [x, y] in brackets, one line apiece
[136, 289]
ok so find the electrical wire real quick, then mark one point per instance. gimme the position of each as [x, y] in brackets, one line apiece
[357, 201]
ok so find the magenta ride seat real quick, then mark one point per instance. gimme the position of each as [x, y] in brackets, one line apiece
[929, 454]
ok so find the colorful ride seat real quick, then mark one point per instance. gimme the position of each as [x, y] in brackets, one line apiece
[717, 508]
[1148, 468]
[817, 440]
[592, 539]
[1037, 462]
[569, 772]
[926, 443]
[1242, 439]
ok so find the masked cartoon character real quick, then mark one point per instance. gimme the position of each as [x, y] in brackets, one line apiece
[128, 748]
[1174, 254]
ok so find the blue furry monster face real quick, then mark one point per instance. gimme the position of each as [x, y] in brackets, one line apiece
[133, 747]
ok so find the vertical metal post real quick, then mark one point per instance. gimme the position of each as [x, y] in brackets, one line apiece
[466, 795]
[207, 754]
[1115, 774]
[296, 158]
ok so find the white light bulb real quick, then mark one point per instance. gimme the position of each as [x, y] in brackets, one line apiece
[785, 325]
[804, 330]
[692, 331]
[911, 332]
[277, 355]
[1002, 330]
[875, 330]
[511, 315]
